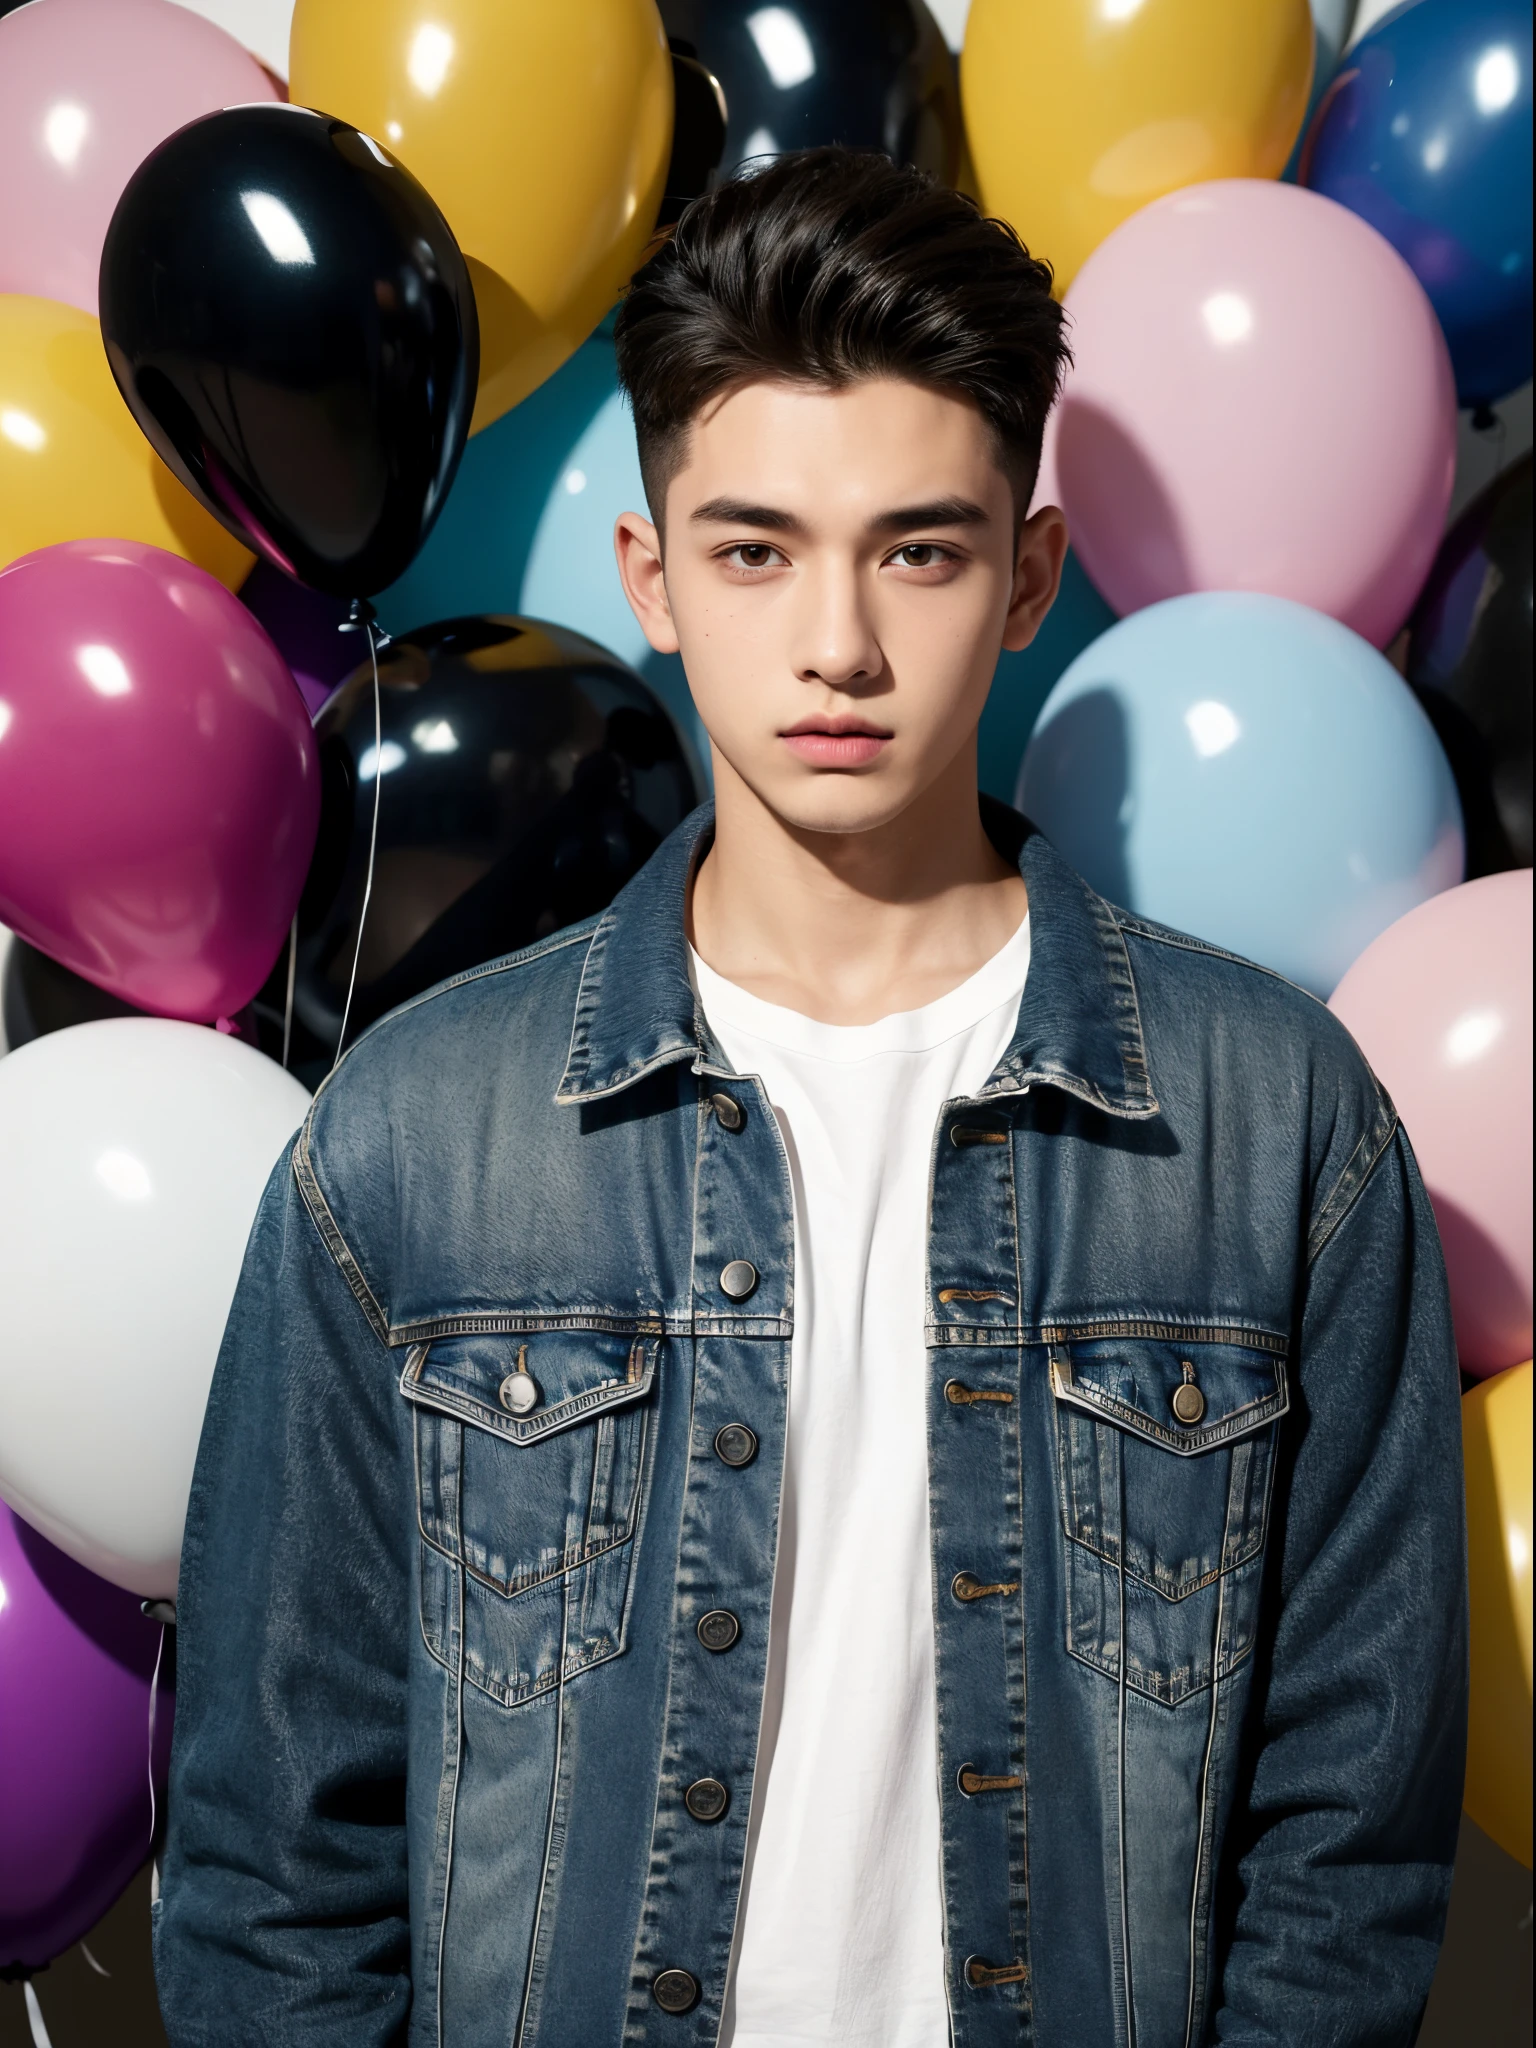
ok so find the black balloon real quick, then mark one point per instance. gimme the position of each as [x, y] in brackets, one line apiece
[526, 775]
[292, 324]
[875, 74]
[698, 131]
[1469, 659]
[37, 996]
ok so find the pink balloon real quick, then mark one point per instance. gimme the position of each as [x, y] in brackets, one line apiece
[87, 89]
[1441, 1007]
[1261, 400]
[159, 782]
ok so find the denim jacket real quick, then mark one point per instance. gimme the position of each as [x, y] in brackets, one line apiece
[474, 1588]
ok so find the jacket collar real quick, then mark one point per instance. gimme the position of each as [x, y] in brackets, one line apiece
[1079, 1027]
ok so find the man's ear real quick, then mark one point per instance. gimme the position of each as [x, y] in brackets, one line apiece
[1036, 575]
[637, 549]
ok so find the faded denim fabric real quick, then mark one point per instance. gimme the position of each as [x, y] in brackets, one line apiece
[1196, 1507]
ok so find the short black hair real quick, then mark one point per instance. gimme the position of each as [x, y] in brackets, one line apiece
[828, 266]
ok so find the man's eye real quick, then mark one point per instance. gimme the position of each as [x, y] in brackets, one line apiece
[924, 554]
[752, 554]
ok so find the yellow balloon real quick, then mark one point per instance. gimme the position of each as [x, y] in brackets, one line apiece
[1496, 1442]
[542, 128]
[1080, 111]
[73, 464]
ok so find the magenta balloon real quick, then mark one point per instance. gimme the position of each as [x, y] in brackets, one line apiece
[1261, 400]
[76, 1659]
[87, 89]
[1441, 1007]
[159, 783]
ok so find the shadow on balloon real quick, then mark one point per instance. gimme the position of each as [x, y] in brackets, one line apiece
[1480, 1274]
[1090, 750]
[1091, 444]
[109, 1617]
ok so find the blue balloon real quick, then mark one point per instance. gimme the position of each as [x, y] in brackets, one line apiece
[1023, 681]
[1426, 133]
[1250, 771]
[528, 526]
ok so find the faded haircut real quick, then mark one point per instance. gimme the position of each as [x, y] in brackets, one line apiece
[827, 267]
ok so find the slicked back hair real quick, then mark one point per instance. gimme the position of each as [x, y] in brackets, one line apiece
[828, 267]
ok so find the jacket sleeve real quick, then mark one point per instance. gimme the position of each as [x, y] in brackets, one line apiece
[283, 1916]
[1335, 1893]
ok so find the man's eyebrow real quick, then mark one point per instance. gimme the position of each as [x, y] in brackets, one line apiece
[936, 512]
[900, 519]
[742, 512]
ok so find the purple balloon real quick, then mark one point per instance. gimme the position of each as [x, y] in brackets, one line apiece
[76, 1659]
[305, 626]
[159, 780]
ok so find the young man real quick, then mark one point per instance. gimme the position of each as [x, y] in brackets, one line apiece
[863, 1449]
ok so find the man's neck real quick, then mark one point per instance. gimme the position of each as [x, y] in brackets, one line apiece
[851, 927]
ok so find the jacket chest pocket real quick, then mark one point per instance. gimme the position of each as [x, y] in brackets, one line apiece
[1165, 1457]
[530, 1467]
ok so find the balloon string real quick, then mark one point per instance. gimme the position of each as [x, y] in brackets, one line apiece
[373, 837]
[293, 961]
[154, 1690]
[100, 1970]
[35, 2017]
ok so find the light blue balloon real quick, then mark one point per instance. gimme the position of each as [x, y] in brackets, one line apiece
[1248, 770]
[528, 526]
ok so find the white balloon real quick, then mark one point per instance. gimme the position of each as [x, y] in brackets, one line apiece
[262, 25]
[133, 1154]
[951, 17]
[1367, 14]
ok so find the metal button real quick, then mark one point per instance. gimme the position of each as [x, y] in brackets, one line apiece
[718, 1629]
[706, 1799]
[966, 1586]
[735, 1444]
[1188, 1402]
[728, 1112]
[738, 1279]
[676, 1990]
[520, 1392]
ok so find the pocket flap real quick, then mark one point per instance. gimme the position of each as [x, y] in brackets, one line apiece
[528, 1384]
[1143, 1385]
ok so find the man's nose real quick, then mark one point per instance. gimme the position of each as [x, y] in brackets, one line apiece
[836, 642]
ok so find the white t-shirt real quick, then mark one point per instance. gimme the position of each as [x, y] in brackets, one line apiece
[841, 1934]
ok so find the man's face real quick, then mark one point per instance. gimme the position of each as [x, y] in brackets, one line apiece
[840, 571]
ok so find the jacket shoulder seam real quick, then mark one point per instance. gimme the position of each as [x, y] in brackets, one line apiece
[1353, 1178]
[1183, 942]
[330, 1234]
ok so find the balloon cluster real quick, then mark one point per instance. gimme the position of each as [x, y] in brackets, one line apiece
[236, 330]
[335, 340]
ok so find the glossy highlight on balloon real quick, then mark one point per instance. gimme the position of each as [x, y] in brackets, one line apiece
[1249, 771]
[87, 89]
[523, 776]
[1079, 112]
[543, 132]
[1426, 133]
[154, 1140]
[77, 1662]
[873, 74]
[1441, 1007]
[1213, 434]
[290, 320]
[159, 783]
[72, 460]
[1470, 660]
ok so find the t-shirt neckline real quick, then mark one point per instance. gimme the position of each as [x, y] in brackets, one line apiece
[997, 981]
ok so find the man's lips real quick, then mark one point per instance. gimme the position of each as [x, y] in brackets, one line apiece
[835, 742]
